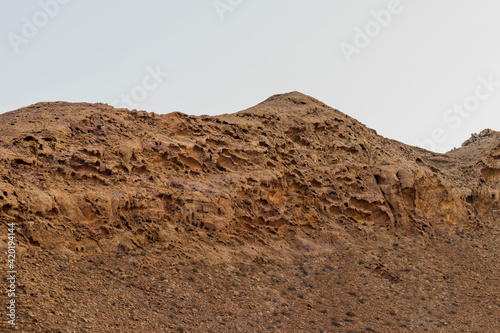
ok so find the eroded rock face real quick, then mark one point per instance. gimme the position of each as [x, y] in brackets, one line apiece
[286, 217]
[288, 174]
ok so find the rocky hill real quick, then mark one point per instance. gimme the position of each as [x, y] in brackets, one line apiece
[289, 216]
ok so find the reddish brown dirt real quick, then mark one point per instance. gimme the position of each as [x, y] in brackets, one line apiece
[286, 217]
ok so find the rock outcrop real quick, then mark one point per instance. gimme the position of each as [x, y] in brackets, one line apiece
[284, 173]
[286, 178]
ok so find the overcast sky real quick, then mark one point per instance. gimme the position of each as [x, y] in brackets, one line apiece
[423, 72]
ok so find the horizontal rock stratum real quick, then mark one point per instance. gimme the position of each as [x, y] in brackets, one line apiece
[288, 181]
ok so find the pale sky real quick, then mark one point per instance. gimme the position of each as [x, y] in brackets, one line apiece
[422, 72]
